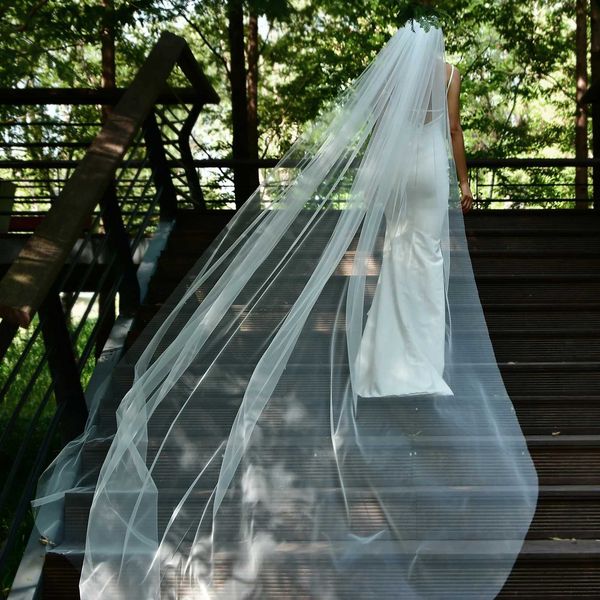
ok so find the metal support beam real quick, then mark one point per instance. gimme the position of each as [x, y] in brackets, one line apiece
[160, 168]
[129, 290]
[188, 160]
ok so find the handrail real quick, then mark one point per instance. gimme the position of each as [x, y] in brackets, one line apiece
[35, 270]
[85, 96]
[265, 163]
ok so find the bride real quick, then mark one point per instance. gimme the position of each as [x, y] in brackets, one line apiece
[317, 411]
[402, 347]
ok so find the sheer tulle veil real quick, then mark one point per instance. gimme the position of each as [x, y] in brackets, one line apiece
[244, 463]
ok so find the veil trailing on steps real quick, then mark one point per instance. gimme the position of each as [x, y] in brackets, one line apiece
[317, 411]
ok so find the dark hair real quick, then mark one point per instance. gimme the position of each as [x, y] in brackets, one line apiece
[426, 15]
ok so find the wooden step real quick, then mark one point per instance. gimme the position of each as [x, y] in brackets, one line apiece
[548, 220]
[577, 219]
[177, 266]
[520, 332]
[557, 243]
[560, 460]
[509, 346]
[562, 511]
[543, 289]
[519, 337]
[500, 318]
[537, 415]
[545, 570]
[564, 379]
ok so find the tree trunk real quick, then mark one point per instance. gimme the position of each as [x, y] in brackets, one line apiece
[109, 80]
[252, 59]
[107, 38]
[239, 104]
[581, 78]
[595, 72]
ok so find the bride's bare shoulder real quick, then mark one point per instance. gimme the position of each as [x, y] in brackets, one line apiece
[452, 71]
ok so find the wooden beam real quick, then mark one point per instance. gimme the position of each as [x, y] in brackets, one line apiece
[118, 242]
[83, 96]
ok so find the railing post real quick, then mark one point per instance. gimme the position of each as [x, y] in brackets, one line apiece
[129, 290]
[160, 168]
[63, 367]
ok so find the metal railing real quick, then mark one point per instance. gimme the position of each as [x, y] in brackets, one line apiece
[37, 161]
[92, 207]
[528, 182]
[495, 182]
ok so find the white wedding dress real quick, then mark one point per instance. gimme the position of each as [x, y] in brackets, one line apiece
[402, 347]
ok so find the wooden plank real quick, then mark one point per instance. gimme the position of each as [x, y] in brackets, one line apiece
[93, 97]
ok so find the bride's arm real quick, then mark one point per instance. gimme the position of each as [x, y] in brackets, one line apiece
[458, 142]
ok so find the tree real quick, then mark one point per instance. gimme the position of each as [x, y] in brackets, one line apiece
[241, 61]
[581, 82]
[294, 56]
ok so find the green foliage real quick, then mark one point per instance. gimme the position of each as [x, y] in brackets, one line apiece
[30, 393]
[57, 42]
[427, 15]
[516, 59]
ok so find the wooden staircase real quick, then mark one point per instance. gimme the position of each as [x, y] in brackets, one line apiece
[538, 275]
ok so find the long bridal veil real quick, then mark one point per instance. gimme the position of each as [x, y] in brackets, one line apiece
[273, 443]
